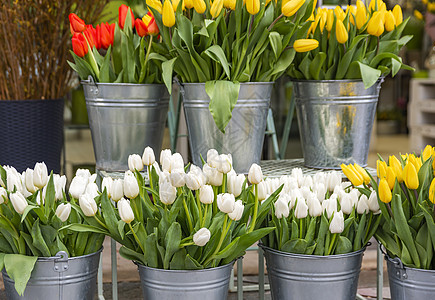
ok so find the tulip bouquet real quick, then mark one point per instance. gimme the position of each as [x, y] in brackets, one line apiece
[362, 42]
[406, 193]
[33, 210]
[321, 215]
[200, 219]
[119, 52]
[225, 42]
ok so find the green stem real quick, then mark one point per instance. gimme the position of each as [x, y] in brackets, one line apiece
[205, 215]
[331, 245]
[221, 240]
[136, 238]
[40, 200]
[187, 244]
[199, 206]
[150, 177]
[224, 181]
[368, 226]
[189, 220]
[389, 210]
[215, 208]
[147, 55]
[100, 222]
[274, 22]
[301, 228]
[254, 217]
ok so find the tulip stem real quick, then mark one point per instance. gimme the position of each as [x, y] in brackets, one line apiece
[215, 192]
[254, 217]
[224, 181]
[250, 25]
[189, 220]
[199, 206]
[377, 48]
[146, 61]
[225, 228]
[40, 201]
[389, 210]
[433, 212]
[187, 244]
[274, 22]
[136, 238]
[150, 178]
[301, 228]
[416, 196]
[205, 216]
[99, 222]
[331, 245]
[407, 194]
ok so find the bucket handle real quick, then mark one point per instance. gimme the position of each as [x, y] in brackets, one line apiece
[181, 85]
[94, 89]
[400, 269]
[61, 261]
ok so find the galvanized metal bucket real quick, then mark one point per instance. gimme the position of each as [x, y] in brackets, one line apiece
[335, 121]
[124, 119]
[409, 283]
[207, 284]
[308, 277]
[244, 134]
[59, 277]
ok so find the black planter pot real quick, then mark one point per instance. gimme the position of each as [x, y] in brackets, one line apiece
[31, 131]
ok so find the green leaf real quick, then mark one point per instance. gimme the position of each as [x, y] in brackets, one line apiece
[297, 246]
[152, 258]
[172, 243]
[105, 66]
[275, 41]
[222, 104]
[167, 70]
[19, 268]
[216, 53]
[343, 245]
[85, 228]
[317, 64]
[369, 75]
[131, 255]
[178, 260]
[38, 240]
[110, 217]
[192, 264]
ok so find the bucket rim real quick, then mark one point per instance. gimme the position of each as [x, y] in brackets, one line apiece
[42, 259]
[380, 79]
[306, 256]
[241, 83]
[139, 265]
[89, 82]
[395, 264]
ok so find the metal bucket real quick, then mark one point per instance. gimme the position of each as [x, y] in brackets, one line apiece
[335, 121]
[124, 119]
[409, 283]
[308, 277]
[244, 134]
[59, 277]
[207, 284]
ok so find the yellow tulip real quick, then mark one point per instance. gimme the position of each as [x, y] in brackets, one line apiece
[375, 25]
[427, 152]
[381, 168]
[363, 173]
[291, 7]
[418, 15]
[305, 45]
[352, 175]
[199, 6]
[432, 191]
[390, 22]
[322, 22]
[188, 4]
[391, 177]
[156, 4]
[253, 6]
[376, 5]
[216, 8]
[384, 191]
[175, 4]
[329, 19]
[315, 23]
[410, 176]
[339, 13]
[404, 156]
[351, 10]
[361, 17]
[341, 32]
[398, 16]
[416, 161]
[231, 4]
[397, 167]
[168, 15]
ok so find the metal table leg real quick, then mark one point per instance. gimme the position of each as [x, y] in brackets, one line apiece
[114, 270]
[100, 279]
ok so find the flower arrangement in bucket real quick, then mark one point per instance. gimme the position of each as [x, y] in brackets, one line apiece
[188, 219]
[33, 210]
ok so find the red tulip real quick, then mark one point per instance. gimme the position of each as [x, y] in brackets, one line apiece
[106, 35]
[123, 10]
[76, 24]
[151, 24]
[80, 47]
[141, 28]
[91, 36]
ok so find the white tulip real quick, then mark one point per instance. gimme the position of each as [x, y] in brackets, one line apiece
[92, 178]
[164, 176]
[305, 191]
[354, 194]
[307, 181]
[148, 157]
[63, 211]
[262, 191]
[314, 206]
[165, 155]
[88, 205]
[320, 178]
[206, 194]
[237, 213]
[212, 154]
[281, 208]
[18, 202]
[92, 190]
[235, 183]
[135, 162]
[346, 184]
[40, 175]
[346, 204]
[78, 186]
[301, 210]
[294, 194]
[373, 202]
[177, 162]
[107, 184]
[117, 190]
[338, 190]
[226, 203]
[13, 179]
[330, 206]
[272, 185]
[363, 205]
[157, 168]
[177, 178]
[255, 175]
[28, 179]
[320, 190]
[224, 163]
[199, 173]
[167, 193]
[193, 182]
[201, 237]
[289, 182]
[214, 177]
[285, 198]
[38, 195]
[3, 195]
[131, 187]
[337, 223]
[298, 175]
[125, 211]
[83, 173]
[59, 185]
[333, 179]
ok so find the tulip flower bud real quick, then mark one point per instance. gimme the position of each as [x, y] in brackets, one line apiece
[151, 24]
[291, 7]
[165, 155]
[148, 157]
[353, 176]
[390, 23]
[199, 6]
[301, 210]
[255, 174]
[230, 4]
[125, 211]
[18, 202]
[226, 203]
[373, 202]
[88, 205]
[398, 16]
[156, 4]
[214, 177]
[281, 208]
[59, 185]
[431, 191]
[363, 205]
[330, 206]
[305, 45]
[3, 195]
[107, 184]
[141, 28]
[314, 206]
[193, 182]
[63, 211]
[333, 179]
[384, 191]
[40, 175]
[131, 187]
[375, 25]
[346, 204]
[427, 152]
[216, 8]
[361, 16]
[212, 155]
[177, 178]
[381, 168]
[201, 237]
[223, 163]
[329, 20]
[391, 177]
[176, 162]
[415, 161]
[320, 190]
[253, 6]
[92, 190]
[117, 190]
[235, 184]
[206, 194]
[28, 179]
[341, 32]
[175, 5]
[135, 163]
[410, 176]
[78, 186]
[76, 24]
[83, 173]
[337, 223]
[167, 193]
[262, 191]
[237, 213]
[362, 172]
[123, 10]
[168, 15]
